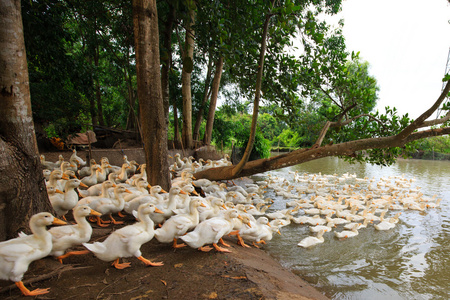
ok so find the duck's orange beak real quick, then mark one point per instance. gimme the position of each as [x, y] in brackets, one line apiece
[183, 192]
[83, 185]
[95, 213]
[59, 191]
[57, 221]
[157, 210]
[223, 205]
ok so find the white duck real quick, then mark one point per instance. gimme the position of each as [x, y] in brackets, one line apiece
[16, 254]
[312, 240]
[167, 208]
[178, 225]
[108, 206]
[214, 209]
[127, 241]
[326, 228]
[64, 237]
[98, 190]
[74, 157]
[122, 176]
[103, 173]
[211, 231]
[154, 197]
[86, 171]
[257, 210]
[346, 234]
[48, 164]
[139, 190]
[349, 226]
[92, 179]
[258, 232]
[385, 224]
[63, 204]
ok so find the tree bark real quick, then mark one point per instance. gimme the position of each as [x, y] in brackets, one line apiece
[154, 131]
[213, 102]
[22, 188]
[98, 94]
[206, 94]
[167, 60]
[188, 63]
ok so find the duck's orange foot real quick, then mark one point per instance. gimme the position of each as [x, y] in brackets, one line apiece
[242, 243]
[82, 252]
[150, 263]
[223, 243]
[121, 266]
[27, 292]
[176, 246]
[220, 249]
[205, 248]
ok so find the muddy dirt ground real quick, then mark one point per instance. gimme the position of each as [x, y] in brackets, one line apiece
[186, 274]
[245, 273]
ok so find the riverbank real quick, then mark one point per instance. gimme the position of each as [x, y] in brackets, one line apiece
[187, 273]
[245, 273]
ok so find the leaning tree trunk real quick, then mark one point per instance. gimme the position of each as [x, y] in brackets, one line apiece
[22, 188]
[154, 130]
[188, 64]
[213, 102]
[349, 149]
[251, 140]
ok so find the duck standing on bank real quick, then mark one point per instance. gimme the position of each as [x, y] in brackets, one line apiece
[16, 254]
[127, 241]
[211, 231]
[64, 237]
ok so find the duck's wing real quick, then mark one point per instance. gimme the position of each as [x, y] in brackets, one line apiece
[18, 247]
[64, 231]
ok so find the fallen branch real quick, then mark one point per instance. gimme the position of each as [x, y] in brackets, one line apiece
[43, 277]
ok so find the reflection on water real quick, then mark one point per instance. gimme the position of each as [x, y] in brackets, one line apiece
[409, 262]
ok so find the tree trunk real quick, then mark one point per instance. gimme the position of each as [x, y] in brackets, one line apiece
[238, 168]
[213, 102]
[176, 129]
[167, 60]
[92, 109]
[154, 130]
[206, 94]
[97, 89]
[22, 188]
[188, 63]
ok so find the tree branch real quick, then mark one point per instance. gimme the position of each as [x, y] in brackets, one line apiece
[322, 134]
[436, 121]
[420, 120]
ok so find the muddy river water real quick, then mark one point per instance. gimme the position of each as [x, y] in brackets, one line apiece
[411, 261]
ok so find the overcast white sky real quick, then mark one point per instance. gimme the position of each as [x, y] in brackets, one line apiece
[406, 43]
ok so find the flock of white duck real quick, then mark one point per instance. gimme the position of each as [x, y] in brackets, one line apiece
[199, 220]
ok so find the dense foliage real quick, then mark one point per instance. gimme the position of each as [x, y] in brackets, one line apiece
[82, 71]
